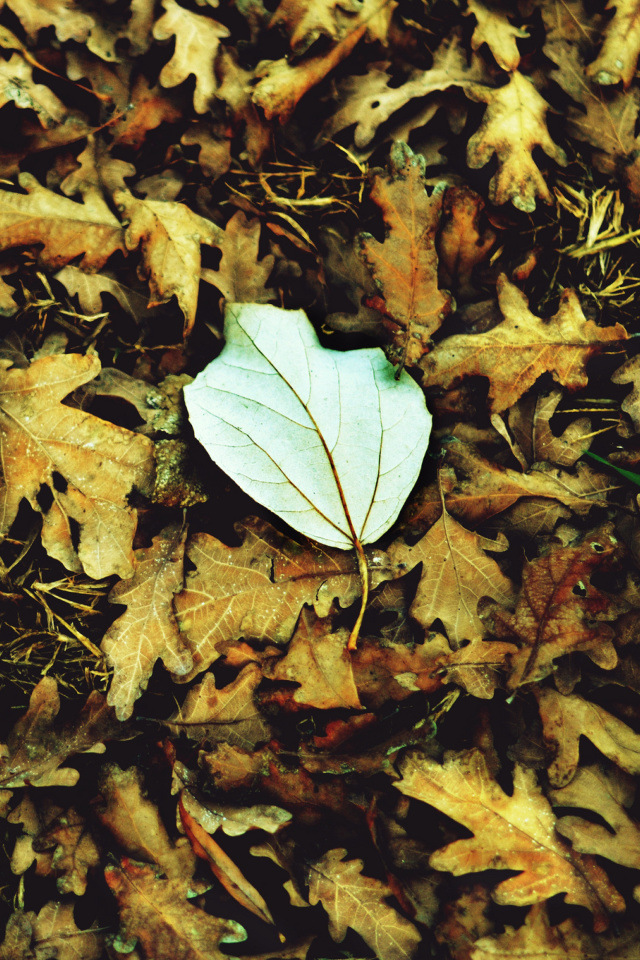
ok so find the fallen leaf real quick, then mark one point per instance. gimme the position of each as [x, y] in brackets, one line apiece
[136, 825]
[223, 867]
[405, 265]
[197, 42]
[354, 900]
[230, 713]
[285, 424]
[560, 610]
[89, 288]
[494, 29]
[257, 590]
[17, 86]
[214, 149]
[529, 423]
[232, 820]
[515, 106]
[36, 748]
[537, 938]
[462, 242]
[465, 921]
[232, 767]
[148, 631]
[567, 718]
[514, 832]
[619, 54]
[305, 22]
[629, 372]
[88, 466]
[609, 794]
[56, 934]
[146, 108]
[241, 277]
[318, 660]
[66, 229]
[515, 353]
[170, 235]
[156, 913]
[456, 574]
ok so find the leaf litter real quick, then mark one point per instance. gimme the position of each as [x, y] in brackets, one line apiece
[438, 202]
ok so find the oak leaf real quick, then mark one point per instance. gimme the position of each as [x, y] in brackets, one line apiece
[509, 833]
[306, 20]
[560, 610]
[170, 235]
[619, 54]
[197, 42]
[36, 748]
[66, 229]
[229, 714]
[456, 574]
[609, 125]
[570, 37]
[567, 718]
[257, 590]
[462, 242]
[89, 287]
[529, 423]
[517, 106]
[136, 825]
[148, 630]
[318, 660]
[405, 265]
[157, 913]
[214, 148]
[53, 933]
[354, 900]
[241, 277]
[494, 29]
[232, 820]
[89, 466]
[513, 354]
[18, 86]
[66, 16]
[235, 90]
[146, 107]
[369, 100]
[609, 793]
[629, 372]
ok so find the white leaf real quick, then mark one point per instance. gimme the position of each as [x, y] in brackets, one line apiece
[331, 442]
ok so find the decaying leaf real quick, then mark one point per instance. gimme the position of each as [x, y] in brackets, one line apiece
[405, 265]
[135, 822]
[619, 54]
[456, 574]
[36, 748]
[509, 833]
[148, 631]
[157, 913]
[567, 718]
[241, 277]
[354, 900]
[88, 466]
[494, 29]
[521, 348]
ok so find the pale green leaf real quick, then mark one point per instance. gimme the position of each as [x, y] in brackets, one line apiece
[331, 442]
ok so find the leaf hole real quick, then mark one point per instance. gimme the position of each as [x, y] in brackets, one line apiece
[59, 483]
[44, 498]
[579, 589]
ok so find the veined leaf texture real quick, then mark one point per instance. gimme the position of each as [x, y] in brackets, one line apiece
[331, 442]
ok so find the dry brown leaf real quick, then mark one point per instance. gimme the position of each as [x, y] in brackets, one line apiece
[521, 348]
[89, 466]
[136, 824]
[66, 16]
[36, 748]
[148, 631]
[257, 590]
[478, 489]
[230, 713]
[89, 288]
[560, 610]
[146, 108]
[55, 934]
[609, 793]
[619, 54]
[538, 940]
[197, 42]
[223, 867]
[66, 229]
[318, 660]
[570, 38]
[58, 841]
[354, 900]
[514, 123]
[241, 277]
[230, 767]
[17, 86]
[509, 833]
[368, 100]
[405, 265]
[629, 372]
[529, 423]
[609, 125]
[456, 574]
[170, 235]
[156, 913]
[494, 29]
[234, 821]
[235, 90]
[462, 242]
[306, 20]
[214, 147]
[567, 718]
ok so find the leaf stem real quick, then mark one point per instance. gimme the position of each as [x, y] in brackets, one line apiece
[364, 576]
